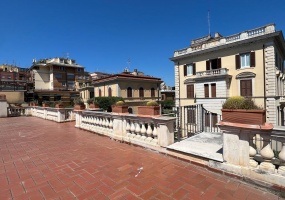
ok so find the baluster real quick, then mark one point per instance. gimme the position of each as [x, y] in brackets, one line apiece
[133, 128]
[252, 153]
[267, 154]
[128, 128]
[149, 133]
[154, 133]
[137, 130]
[143, 131]
[281, 155]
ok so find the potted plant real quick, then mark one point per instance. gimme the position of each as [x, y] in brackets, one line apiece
[78, 103]
[59, 104]
[34, 103]
[120, 107]
[45, 104]
[151, 108]
[238, 109]
[93, 104]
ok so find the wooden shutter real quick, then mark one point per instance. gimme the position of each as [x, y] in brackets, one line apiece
[219, 64]
[237, 62]
[207, 65]
[206, 90]
[185, 70]
[194, 68]
[252, 59]
[246, 88]
[190, 91]
[213, 89]
[214, 119]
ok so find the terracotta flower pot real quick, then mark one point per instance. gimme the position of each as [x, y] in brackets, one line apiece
[45, 105]
[79, 107]
[120, 109]
[149, 110]
[92, 106]
[256, 117]
[59, 105]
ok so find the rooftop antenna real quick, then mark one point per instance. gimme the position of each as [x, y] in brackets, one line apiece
[209, 25]
[67, 55]
[129, 63]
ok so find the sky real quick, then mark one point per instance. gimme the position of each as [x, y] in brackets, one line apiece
[110, 35]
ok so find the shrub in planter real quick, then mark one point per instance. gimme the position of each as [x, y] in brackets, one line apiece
[151, 108]
[120, 107]
[34, 103]
[78, 103]
[106, 102]
[59, 104]
[242, 110]
[45, 104]
[92, 102]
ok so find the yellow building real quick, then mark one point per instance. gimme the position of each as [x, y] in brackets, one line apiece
[135, 87]
[249, 63]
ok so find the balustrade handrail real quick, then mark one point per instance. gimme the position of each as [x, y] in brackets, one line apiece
[221, 71]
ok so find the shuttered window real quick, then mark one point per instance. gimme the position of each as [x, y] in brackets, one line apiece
[237, 62]
[100, 93]
[141, 92]
[252, 59]
[245, 60]
[152, 92]
[190, 91]
[213, 89]
[246, 88]
[206, 90]
[190, 69]
[109, 92]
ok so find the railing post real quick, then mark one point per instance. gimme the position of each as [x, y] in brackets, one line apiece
[3, 106]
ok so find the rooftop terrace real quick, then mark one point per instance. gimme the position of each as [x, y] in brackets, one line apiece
[41, 159]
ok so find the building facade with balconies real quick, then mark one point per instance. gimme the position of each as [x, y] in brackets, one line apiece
[135, 87]
[250, 64]
[54, 79]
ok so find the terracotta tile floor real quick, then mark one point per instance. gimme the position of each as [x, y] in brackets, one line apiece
[40, 159]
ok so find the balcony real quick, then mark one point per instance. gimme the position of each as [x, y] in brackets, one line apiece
[213, 72]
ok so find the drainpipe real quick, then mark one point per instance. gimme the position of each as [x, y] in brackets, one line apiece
[264, 84]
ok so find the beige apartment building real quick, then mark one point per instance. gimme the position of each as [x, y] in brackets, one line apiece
[249, 63]
[135, 87]
[54, 79]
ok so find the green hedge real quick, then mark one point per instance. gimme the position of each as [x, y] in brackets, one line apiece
[167, 104]
[106, 102]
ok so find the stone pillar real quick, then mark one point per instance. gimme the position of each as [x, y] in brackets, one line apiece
[165, 132]
[3, 106]
[118, 126]
[236, 141]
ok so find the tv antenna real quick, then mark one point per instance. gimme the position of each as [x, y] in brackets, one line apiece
[209, 25]
[129, 63]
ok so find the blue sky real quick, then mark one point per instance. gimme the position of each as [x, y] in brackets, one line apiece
[102, 35]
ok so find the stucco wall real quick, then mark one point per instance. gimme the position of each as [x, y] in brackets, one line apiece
[14, 97]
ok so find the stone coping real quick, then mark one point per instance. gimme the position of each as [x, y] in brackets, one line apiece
[266, 126]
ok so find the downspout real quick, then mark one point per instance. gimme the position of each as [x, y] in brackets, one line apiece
[264, 84]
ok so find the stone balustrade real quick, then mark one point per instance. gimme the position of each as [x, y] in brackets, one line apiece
[53, 114]
[16, 111]
[143, 131]
[205, 44]
[212, 72]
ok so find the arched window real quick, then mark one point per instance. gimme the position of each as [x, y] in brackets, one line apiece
[141, 92]
[109, 92]
[100, 93]
[129, 92]
[152, 92]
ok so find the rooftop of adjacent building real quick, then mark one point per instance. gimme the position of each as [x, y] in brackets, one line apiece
[59, 61]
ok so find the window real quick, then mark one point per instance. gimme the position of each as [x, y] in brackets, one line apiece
[213, 90]
[245, 60]
[206, 90]
[141, 92]
[57, 98]
[61, 68]
[190, 91]
[63, 83]
[109, 92]
[79, 69]
[191, 116]
[58, 75]
[246, 88]
[70, 76]
[100, 93]
[61, 60]
[190, 69]
[91, 94]
[213, 64]
[129, 92]
[152, 92]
